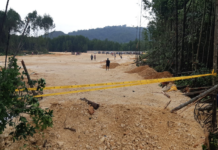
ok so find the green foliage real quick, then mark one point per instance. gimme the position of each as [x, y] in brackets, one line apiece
[197, 82]
[204, 147]
[213, 141]
[14, 103]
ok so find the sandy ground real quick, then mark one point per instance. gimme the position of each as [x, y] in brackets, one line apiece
[118, 118]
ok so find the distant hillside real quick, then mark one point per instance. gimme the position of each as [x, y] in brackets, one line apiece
[120, 34]
[55, 34]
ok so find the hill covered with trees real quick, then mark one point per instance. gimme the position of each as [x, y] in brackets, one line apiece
[55, 34]
[120, 34]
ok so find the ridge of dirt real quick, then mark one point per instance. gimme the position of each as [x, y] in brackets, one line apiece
[113, 127]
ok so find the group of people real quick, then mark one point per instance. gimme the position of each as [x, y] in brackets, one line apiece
[107, 61]
[93, 57]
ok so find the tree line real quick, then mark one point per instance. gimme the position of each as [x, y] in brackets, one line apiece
[66, 43]
[81, 44]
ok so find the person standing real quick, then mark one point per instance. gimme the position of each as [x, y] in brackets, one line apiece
[107, 64]
[94, 57]
[91, 57]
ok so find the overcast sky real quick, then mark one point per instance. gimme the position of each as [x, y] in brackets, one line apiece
[73, 15]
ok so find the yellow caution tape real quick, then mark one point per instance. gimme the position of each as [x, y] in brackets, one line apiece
[88, 90]
[140, 82]
[173, 88]
[126, 82]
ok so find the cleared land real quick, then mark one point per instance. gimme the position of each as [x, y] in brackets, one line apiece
[128, 118]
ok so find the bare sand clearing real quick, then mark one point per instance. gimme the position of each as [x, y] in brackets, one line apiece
[128, 118]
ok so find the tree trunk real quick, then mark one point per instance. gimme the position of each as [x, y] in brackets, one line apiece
[215, 40]
[193, 38]
[176, 63]
[4, 17]
[183, 37]
[199, 43]
[6, 53]
[205, 44]
[211, 28]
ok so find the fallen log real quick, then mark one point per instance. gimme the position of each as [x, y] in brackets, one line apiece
[199, 88]
[181, 87]
[208, 108]
[44, 144]
[94, 105]
[191, 104]
[163, 93]
[195, 98]
[167, 104]
[71, 129]
[193, 93]
[166, 94]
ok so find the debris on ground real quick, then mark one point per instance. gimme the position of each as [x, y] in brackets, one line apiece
[91, 110]
[93, 104]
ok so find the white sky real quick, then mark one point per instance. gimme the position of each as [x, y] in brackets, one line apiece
[72, 15]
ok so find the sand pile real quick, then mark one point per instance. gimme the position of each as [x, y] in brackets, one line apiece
[149, 73]
[112, 65]
[113, 127]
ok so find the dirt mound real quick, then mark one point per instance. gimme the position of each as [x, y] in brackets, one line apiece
[113, 127]
[147, 72]
[112, 65]
[138, 69]
[150, 73]
[158, 75]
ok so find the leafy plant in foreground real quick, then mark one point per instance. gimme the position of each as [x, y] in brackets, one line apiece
[14, 103]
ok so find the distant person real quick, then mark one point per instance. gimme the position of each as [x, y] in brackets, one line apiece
[107, 64]
[91, 57]
[121, 56]
[114, 56]
[94, 57]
